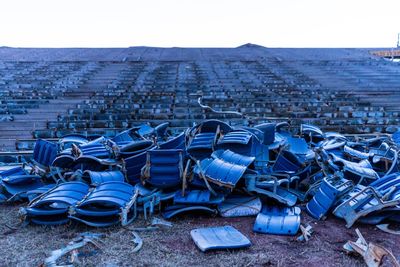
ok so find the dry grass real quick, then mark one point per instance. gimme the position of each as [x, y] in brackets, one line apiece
[29, 246]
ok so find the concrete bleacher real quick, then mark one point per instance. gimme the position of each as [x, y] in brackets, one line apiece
[46, 93]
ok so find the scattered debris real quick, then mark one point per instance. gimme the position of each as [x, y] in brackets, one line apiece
[306, 233]
[73, 246]
[137, 240]
[156, 224]
[160, 222]
[372, 253]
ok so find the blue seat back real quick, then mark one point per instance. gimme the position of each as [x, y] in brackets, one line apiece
[165, 167]
[133, 167]
[177, 142]
[238, 141]
[201, 145]
[68, 193]
[44, 152]
[111, 193]
[96, 178]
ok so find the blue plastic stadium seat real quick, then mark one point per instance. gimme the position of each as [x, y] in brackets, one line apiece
[326, 196]
[225, 168]
[237, 141]
[44, 152]
[16, 182]
[51, 208]
[202, 145]
[96, 178]
[200, 197]
[238, 206]
[278, 220]
[204, 137]
[135, 147]
[133, 167]
[382, 194]
[164, 168]
[224, 237]
[109, 203]
[177, 142]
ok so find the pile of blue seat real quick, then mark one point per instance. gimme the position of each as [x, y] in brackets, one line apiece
[269, 170]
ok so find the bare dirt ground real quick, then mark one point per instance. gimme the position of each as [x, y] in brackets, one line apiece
[30, 245]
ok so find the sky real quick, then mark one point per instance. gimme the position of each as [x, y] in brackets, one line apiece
[199, 23]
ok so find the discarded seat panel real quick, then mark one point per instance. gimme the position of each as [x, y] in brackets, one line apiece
[297, 146]
[96, 178]
[237, 141]
[149, 198]
[164, 168]
[134, 148]
[109, 203]
[278, 220]
[32, 194]
[100, 151]
[268, 130]
[212, 126]
[16, 182]
[93, 163]
[51, 208]
[225, 168]
[232, 157]
[177, 142]
[161, 130]
[396, 138]
[202, 145]
[286, 162]
[239, 206]
[272, 187]
[262, 160]
[132, 134]
[333, 141]
[87, 162]
[313, 134]
[224, 237]
[64, 161]
[44, 153]
[203, 137]
[361, 172]
[98, 142]
[389, 214]
[308, 129]
[174, 210]
[15, 187]
[379, 195]
[12, 172]
[385, 159]
[328, 193]
[66, 141]
[202, 197]
[255, 132]
[355, 153]
[133, 167]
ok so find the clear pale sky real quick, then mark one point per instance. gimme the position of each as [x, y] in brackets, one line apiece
[199, 23]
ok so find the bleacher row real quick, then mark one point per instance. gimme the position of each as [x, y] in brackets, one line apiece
[349, 95]
[26, 85]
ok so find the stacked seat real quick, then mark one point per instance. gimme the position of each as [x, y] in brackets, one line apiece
[109, 203]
